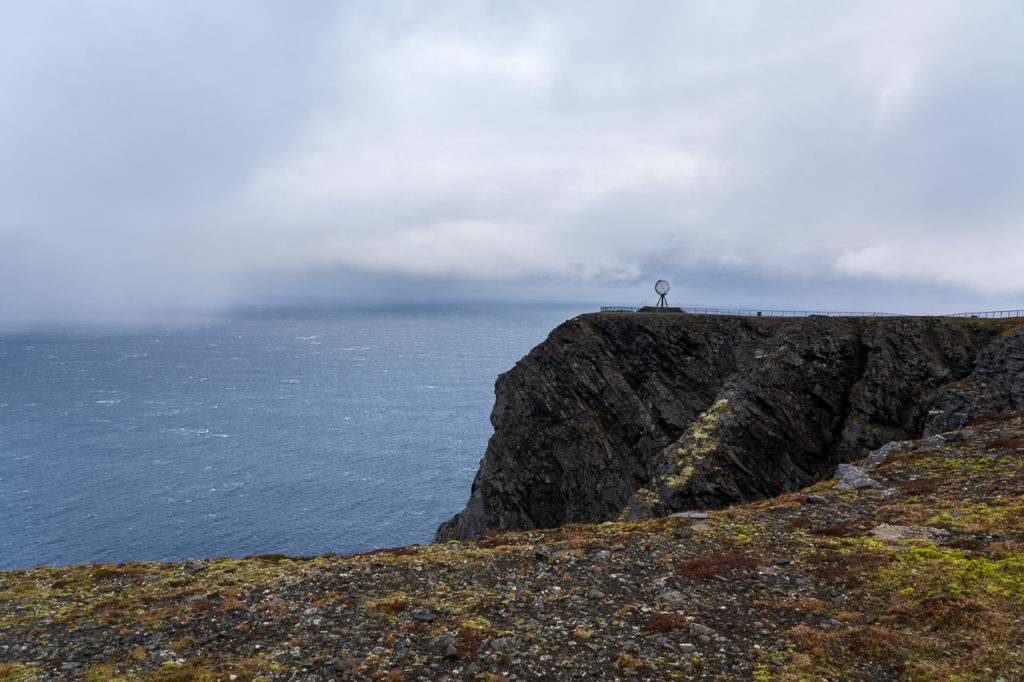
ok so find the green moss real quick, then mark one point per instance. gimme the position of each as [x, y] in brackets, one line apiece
[699, 441]
[16, 672]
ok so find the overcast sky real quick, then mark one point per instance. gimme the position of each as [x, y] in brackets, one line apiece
[161, 158]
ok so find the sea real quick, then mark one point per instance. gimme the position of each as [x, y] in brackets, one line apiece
[298, 431]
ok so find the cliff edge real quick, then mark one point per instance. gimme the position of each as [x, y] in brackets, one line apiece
[631, 416]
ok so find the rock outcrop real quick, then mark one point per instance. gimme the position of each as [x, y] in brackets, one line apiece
[630, 415]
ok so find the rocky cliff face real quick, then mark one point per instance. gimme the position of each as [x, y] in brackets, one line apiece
[633, 415]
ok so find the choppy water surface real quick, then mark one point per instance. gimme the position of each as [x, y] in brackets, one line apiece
[299, 432]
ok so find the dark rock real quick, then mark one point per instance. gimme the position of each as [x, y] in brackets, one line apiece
[851, 477]
[994, 384]
[647, 415]
[193, 568]
[424, 616]
[442, 641]
[451, 653]
[879, 455]
[502, 644]
[815, 499]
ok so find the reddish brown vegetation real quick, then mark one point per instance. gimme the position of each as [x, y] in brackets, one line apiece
[983, 419]
[468, 644]
[723, 565]
[924, 485]
[875, 640]
[1006, 443]
[848, 527]
[666, 622]
[411, 550]
[969, 544]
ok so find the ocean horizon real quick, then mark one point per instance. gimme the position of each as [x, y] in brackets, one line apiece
[294, 431]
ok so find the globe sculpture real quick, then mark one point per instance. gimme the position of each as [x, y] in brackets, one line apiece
[661, 287]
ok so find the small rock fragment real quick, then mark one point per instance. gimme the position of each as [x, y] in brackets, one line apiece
[698, 629]
[959, 435]
[816, 499]
[502, 644]
[424, 616]
[890, 494]
[442, 641]
[876, 456]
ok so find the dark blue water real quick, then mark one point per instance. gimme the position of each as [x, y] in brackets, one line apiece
[301, 432]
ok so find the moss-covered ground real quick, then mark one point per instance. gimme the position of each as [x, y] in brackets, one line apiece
[792, 588]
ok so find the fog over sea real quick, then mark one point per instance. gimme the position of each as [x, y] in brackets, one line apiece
[297, 431]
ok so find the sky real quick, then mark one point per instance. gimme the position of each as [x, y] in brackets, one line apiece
[160, 160]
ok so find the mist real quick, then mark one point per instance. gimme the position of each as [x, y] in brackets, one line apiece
[171, 162]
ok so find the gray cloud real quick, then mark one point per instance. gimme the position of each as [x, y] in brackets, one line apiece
[197, 155]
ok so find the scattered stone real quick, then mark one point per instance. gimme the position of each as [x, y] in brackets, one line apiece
[670, 596]
[193, 568]
[892, 533]
[424, 616]
[877, 456]
[852, 477]
[666, 643]
[683, 532]
[451, 653]
[931, 442]
[890, 494]
[442, 641]
[690, 515]
[815, 499]
[502, 644]
[698, 629]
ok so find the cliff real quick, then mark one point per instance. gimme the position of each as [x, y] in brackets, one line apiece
[630, 416]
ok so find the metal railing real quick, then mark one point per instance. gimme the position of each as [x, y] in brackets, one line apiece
[990, 313]
[750, 312]
[783, 313]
